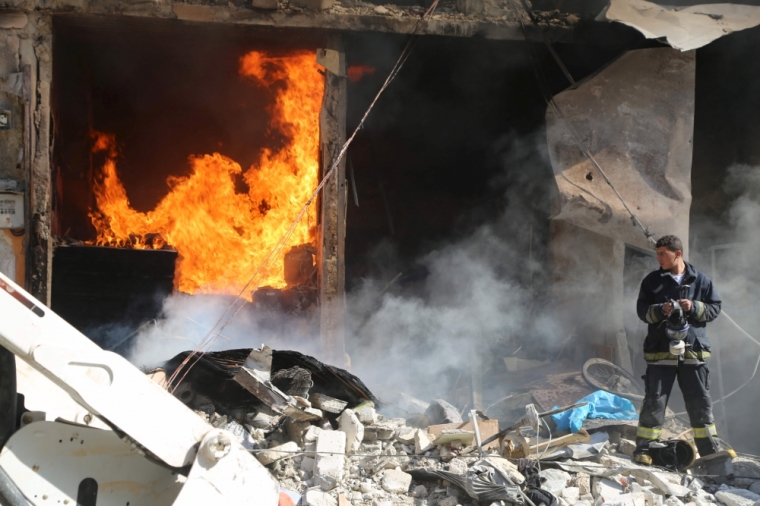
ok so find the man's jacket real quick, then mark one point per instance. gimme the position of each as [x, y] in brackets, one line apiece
[660, 287]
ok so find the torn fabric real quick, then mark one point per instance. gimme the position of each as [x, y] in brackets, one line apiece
[684, 28]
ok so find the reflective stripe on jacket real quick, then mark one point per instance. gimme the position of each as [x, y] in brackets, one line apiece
[660, 287]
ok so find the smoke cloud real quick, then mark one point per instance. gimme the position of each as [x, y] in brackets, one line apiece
[476, 292]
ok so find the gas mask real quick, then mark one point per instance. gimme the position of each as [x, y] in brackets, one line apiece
[677, 325]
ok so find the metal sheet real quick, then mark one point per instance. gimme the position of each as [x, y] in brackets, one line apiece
[636, 117]
[684, 28]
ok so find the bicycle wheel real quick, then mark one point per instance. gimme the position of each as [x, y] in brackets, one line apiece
[604, 375]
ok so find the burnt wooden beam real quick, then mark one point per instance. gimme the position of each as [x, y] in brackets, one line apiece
[332, 237]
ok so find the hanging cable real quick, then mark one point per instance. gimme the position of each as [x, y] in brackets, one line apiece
[568, 126]
[239, 302]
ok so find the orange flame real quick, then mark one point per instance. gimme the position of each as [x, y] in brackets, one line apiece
[222, 236]
[356, 72]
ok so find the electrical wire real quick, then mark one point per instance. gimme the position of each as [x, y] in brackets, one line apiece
[232, 310]
[754, 373]
[568, 126]
[579, 143]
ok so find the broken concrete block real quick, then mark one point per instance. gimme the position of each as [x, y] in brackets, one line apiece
[396, 482]
[626, 447]
[583, 482]
[422, 442]
[405, 435]
[556, 480]
[327, 403]
[458, 466]
[571, 494]
[324, 482]
[381, 431]
[307, 464]
[319, 498]
[277, 453]
[328, 464]
[507, 468]
[367, 415]
[349, 423]
[440, 412]
[737, 497]
[311, 434]
[637, 499]
[606, 489]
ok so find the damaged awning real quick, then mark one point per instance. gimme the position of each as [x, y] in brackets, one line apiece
[684, 28]
[636, 118]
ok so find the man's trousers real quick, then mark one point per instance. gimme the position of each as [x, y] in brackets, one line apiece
[694, 381]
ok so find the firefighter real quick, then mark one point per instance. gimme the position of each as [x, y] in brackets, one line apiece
[700, 305]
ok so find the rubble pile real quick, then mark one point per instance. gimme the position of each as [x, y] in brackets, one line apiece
[328, 451]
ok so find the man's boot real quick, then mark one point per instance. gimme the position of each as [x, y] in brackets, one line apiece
[641, 454]
[642, 457]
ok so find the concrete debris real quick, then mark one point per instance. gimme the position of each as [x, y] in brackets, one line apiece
[571, 494]
[626, 447]
[422, 442]
[554, 480]
[605, 490]
[349, 423]
[396, 482]
[367, 415]
[332, 449]
[737, 497]
[327, 404]
[583, 482]
[286, 450]
[317, 498]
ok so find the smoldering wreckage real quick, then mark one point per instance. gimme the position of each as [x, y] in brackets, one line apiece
[280, 427]
[270, 427]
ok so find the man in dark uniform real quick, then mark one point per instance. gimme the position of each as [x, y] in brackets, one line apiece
[700, 304]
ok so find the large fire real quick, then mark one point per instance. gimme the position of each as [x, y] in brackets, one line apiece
[223, 236]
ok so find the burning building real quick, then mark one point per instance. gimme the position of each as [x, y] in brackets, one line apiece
[166, 147]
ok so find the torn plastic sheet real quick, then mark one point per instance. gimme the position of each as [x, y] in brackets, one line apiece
[684, 28]
[483, 482]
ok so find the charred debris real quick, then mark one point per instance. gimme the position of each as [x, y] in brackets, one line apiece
[329, 441]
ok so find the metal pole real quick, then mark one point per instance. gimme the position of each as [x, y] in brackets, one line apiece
[716, 344]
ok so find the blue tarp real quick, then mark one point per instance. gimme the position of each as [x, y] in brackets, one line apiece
[601, 404]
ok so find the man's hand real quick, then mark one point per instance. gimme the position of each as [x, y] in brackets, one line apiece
[686, 304]
[667, 308]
